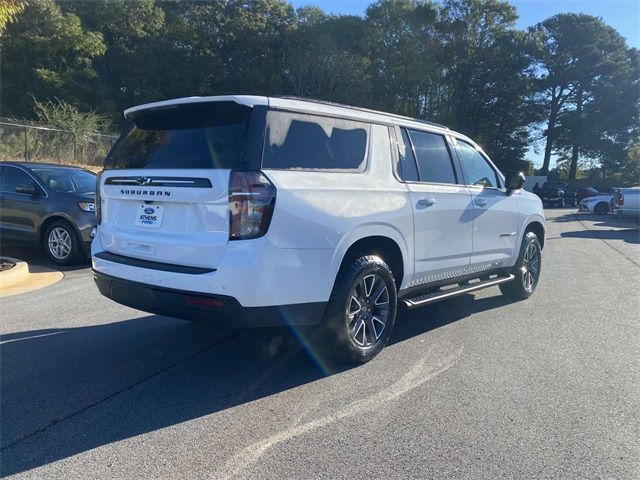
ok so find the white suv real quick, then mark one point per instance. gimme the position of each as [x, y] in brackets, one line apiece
[281, 211]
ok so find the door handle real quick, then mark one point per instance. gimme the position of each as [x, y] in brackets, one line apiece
[426, 202]
[480, 203]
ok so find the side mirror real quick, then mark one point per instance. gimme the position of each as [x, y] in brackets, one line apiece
[514, 181]
[27, 189]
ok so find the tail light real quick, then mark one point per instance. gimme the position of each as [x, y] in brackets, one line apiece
[98, 206]
[251, 200]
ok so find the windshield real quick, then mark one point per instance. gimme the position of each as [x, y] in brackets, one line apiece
[67, 180]
[201, 136]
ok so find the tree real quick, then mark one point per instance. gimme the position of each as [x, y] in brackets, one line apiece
[326, 58]
[129, 29]
[487, 76]
[49, 54]
[403, 52]
[238, 45]
[9, 10]
[584, 69]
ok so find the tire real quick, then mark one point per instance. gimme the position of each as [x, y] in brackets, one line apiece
[601, 208]
[527, 278]
[61, 243]
[361, 312]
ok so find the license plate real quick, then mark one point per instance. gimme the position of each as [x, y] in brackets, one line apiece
[149, 216]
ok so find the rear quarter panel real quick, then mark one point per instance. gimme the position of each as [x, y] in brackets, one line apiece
[333, 210]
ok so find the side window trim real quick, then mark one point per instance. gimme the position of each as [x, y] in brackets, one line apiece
[460, 177]
[454, 165]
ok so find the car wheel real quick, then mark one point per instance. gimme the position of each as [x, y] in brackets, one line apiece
[601, 208]
[61, 243]
[526, 269]
[361, 311]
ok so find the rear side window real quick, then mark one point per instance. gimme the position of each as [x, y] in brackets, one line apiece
[434, 161]
[296, 141]
[206, 135]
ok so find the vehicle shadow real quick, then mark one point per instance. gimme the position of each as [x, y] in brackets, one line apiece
[37, 258]
[631, 235]
[66, 391]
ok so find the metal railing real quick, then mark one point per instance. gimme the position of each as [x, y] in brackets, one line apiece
[34, 143]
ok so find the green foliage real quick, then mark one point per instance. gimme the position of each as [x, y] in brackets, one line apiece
[47, 54]
[59, 114]
[459, 62]
[9, 10]
[589, 89]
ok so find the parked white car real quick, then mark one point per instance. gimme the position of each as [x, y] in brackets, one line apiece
[599, 204]
[626, 202]
[278, 211]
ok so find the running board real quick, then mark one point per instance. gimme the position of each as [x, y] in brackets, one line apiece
[421, 300]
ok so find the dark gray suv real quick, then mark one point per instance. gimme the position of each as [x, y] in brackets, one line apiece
[48, 205]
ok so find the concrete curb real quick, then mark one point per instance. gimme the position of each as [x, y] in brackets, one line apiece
[24, 278]
[14, 275]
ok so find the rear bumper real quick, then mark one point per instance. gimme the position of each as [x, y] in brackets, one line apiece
[199, 306]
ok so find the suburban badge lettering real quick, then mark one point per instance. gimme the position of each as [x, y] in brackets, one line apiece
[151, 193]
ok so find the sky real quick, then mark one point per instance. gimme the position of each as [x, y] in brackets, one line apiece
[623, 15]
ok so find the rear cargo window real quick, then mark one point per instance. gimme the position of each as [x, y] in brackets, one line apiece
[195, 136]
[309, 142]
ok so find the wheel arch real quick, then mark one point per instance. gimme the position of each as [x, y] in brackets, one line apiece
[538, 228]
[606, 205]
[49, 220]
[383, 246]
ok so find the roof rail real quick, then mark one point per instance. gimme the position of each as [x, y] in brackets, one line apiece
[362, 109]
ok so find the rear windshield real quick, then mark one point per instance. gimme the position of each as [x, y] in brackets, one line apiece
[196, 136]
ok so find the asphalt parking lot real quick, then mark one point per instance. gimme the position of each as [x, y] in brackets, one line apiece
[474, 387]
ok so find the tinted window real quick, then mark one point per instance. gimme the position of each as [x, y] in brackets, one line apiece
[12, 177]
[199, 136]
[300, 141]
[407, 169]
[434, 161]
[66, 179]
[475, 168]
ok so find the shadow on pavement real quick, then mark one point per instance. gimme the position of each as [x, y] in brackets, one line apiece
[36, 257]
[631, 235]
[115, 381]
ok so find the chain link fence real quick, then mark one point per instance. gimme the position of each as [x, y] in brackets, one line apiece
[34, 143]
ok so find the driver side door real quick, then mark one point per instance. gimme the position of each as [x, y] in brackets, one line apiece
[20, 213]
[495, 214]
